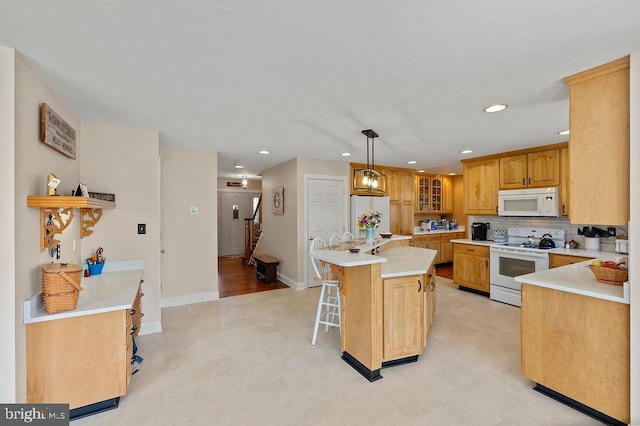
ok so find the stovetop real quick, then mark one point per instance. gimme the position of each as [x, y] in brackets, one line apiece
[529, 238]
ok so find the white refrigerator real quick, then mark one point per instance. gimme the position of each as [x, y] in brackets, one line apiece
[363, 203]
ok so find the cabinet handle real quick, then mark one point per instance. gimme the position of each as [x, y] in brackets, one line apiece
[141, 294]
[563, 210]
[524, 182]
[141, 314]
[133, 312]
[496, 209]
[419, 286]
[141, 281]
[471, 250]
[529, 181]
[486, 262]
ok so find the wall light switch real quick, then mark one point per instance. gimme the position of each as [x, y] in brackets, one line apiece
[194, 209]
[142, 228]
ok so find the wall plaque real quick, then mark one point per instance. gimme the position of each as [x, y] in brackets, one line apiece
[56, 132]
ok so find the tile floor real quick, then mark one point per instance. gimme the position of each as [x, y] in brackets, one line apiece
[248, 360]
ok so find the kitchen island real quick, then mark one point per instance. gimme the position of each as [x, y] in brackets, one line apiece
[387, 303]
[575, 340]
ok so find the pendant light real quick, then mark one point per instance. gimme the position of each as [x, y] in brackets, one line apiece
[369, 179]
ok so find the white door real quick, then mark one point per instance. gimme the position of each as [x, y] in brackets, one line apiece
[234, 207]
[326, 212]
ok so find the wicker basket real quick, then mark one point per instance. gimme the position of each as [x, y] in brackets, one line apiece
[60, 286]
[609, 275]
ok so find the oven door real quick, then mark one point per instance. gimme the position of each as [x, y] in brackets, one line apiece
[507, 263]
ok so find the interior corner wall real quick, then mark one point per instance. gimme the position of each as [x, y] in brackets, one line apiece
[458, 201]
[279, 238]
[8, 306]
[190, 240]
[33, 163]
[126, 162]
[634, 235]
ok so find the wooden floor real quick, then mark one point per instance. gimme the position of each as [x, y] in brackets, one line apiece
[236, 277]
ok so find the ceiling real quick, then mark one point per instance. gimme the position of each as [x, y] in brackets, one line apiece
[303, 78]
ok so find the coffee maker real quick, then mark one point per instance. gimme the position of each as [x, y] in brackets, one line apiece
[479, 231]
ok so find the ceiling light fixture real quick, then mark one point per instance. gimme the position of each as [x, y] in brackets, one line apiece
[238, 166]
[466, 151]
[244, 183]
[452, 174]
[346, 154]
[369, 179]
[496, 108]
[412, 162]
[564, 132]
[263, 152]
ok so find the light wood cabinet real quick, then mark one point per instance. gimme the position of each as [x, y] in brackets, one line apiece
[433, 194]
[446, 246]
[440, 242]
[577, 346]
[403, 317]
[447, 195]
[471, 266]
[81, 360]
[429, 291]
[564, 182]
[480, 182]
[557, 260]
[423, 191]
[401, 197]
[534, 170]
[599, 144]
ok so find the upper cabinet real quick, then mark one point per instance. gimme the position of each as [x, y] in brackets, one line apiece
[480, 182]
[433, 194]
[599, 144]
[400, 189]
[564, 182]
[533, 170]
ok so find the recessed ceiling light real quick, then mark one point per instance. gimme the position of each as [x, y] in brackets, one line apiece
[264, 152]
[495, 108]
[346, 154]
[412, 162]
[452, 174]
[420, 171]
[466, 151]
[238, 166]
[564, 132]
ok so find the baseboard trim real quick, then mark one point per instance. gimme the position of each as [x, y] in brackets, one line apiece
[291, 283]
[150, 328]
[189, 299]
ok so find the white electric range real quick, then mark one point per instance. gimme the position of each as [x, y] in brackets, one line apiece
[520, 255]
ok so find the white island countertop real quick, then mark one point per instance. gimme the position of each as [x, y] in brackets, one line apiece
[396, 262]
[577, 278]
[113, 290]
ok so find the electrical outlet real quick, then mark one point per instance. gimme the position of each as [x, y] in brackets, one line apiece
[142, 228]
[612, 231]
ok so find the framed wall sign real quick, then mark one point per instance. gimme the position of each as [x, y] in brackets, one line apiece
[278, 201]
[56, 132]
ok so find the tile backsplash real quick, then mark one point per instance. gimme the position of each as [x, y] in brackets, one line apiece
[501, 222]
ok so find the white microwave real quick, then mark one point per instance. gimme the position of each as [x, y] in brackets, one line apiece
[528, 202]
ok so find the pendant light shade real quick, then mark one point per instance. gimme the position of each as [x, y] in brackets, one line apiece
[369, 179]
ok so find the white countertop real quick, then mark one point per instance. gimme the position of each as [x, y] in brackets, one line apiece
[396, 262]
[474, 242]
[594, 254]
[113, 290]
[418, 231]
[577, 278]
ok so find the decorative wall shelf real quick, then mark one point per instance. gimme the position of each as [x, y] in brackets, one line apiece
[54, 207]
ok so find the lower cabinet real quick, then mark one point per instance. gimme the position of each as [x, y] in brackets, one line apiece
[557, 260]
[577, 346]
[440, 242]
[403, 316]
[81, 360]
[429, 292]
[471, 266]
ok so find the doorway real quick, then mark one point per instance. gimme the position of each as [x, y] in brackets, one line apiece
[326, 212]
[233, 209]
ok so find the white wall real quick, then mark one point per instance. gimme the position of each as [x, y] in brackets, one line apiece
[126, 162]
[190, 241]
[634, 236]
[33, 163]
[7, 228]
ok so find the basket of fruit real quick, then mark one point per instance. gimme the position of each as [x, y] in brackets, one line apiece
[610, 272]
